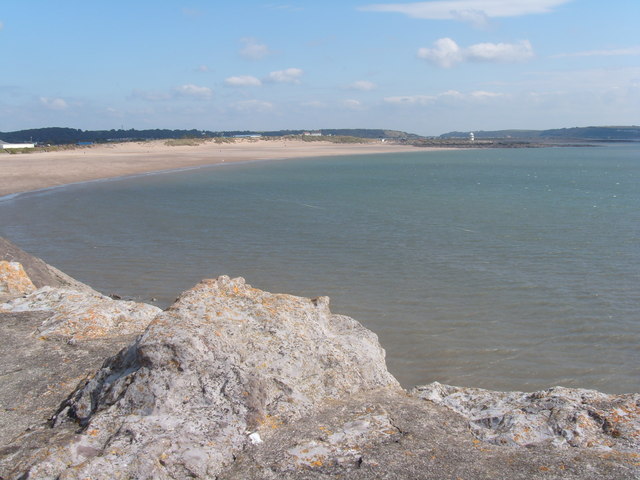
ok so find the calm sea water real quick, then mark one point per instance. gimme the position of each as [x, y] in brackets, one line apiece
[503, 269]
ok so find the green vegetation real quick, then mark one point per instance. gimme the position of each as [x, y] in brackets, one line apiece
[185, 142]
[220, 140]
[332, 139]
[71, 136]
[12, 151]
[67, 136]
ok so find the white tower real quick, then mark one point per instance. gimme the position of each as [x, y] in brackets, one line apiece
[471, 137]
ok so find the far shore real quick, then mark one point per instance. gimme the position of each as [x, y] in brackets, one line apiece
[38, 170]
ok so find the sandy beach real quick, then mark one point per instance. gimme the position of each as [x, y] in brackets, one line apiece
[34, 171]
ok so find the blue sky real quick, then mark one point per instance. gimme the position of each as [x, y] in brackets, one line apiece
[423, 67]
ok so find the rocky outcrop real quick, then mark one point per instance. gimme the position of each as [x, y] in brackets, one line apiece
[224, 364]
[52, 339]
[558, 417]
[76, 315]
[384, 435]
[233, 382]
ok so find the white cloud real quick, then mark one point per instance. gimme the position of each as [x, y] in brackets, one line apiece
[500, 52]
[290, 75]
[54, 103]
[203, 69]
[635, 50]
[483, 95]
[183, 91]
[363, 85]
[243, 81]
[253, 50]
[477, 18]
[194, 91]
[411, 100]
[254, 106]
[446, 52]
[451, 94]
[467, 10]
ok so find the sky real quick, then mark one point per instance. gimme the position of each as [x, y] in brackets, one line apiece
[423, 67]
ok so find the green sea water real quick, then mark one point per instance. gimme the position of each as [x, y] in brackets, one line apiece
[501, 268]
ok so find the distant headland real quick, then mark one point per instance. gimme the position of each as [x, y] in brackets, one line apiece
[65, 136]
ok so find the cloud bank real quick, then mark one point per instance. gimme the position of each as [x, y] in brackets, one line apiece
[446, 52]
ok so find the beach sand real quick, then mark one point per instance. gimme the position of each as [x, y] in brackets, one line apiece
[38, 170]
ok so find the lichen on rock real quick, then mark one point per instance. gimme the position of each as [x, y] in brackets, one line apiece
[82, 315]
[14, 281]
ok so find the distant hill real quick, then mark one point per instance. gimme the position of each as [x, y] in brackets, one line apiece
[594, 133]
[481, 134]
[58, 135]
[615, 133]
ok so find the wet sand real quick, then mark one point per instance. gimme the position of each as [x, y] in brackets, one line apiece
[38, 170]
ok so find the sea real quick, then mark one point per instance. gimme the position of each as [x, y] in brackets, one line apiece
[506, 269]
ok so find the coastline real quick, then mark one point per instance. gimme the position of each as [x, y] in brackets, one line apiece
[43, 170]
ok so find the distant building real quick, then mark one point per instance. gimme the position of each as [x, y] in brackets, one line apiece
[313, 134]
[472, 137]
[5, 145]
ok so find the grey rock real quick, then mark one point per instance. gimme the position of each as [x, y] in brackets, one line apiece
[235, 383]
[52, 339]
[558, 416]
[37, 375]
[225, 361]
[381, 434]
[81, 315]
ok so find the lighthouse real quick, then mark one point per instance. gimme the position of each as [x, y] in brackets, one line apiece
[471, 137]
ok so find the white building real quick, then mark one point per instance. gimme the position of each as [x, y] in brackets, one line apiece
[5, 145]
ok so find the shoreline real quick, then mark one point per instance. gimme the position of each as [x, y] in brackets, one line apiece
[38, 171]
